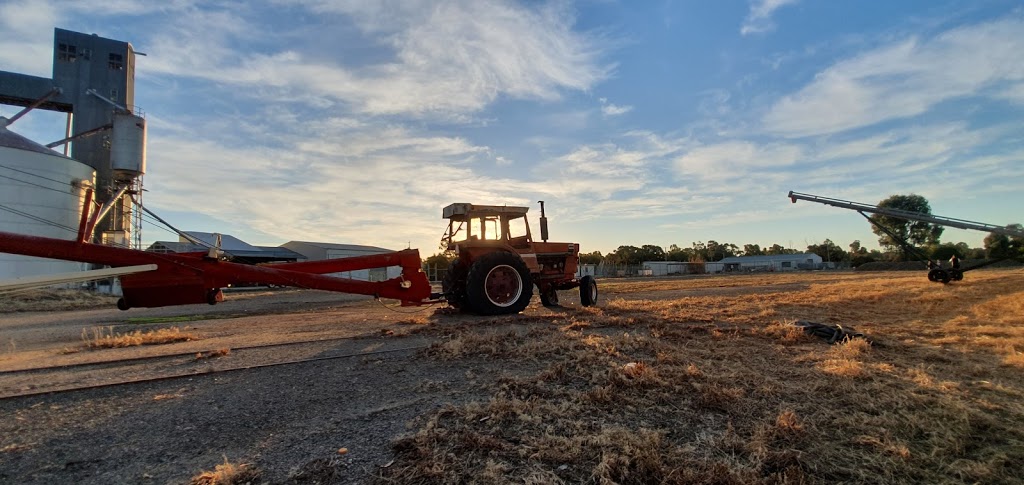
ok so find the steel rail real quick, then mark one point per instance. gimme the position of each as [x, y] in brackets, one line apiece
[207, 372]
[168, 356]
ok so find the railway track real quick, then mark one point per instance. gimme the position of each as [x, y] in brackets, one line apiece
[59, 379]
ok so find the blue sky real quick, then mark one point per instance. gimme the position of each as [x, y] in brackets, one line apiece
[637, 122]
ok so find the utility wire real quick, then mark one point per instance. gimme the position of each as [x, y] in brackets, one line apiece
[37, 218]
[62, 182]
[62, 191]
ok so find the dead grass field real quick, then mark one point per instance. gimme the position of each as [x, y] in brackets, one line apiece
[105, 337]
[705, 380]
[53, 299]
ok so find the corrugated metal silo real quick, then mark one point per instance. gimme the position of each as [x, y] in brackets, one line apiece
[128, 146]
[41, 194]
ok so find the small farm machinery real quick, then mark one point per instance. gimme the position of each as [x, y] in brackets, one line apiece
[497, 261]
[497, 270]
[935, 272]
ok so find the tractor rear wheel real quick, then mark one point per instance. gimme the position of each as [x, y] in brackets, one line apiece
[453, 285]
[498, 283]
[588, 291]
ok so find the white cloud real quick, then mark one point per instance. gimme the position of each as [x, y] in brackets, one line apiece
[615, 110]
[759, 20]
[734, 159]
[26, 33]
[903, 80]
[1013, 93]
[449, 58]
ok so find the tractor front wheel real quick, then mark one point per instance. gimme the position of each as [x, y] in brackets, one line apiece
[498, 283]
[588, 291]
[549, 296]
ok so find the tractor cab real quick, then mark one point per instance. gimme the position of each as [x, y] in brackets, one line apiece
[485, 225]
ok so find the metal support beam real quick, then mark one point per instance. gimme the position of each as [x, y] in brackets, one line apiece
[34, 105]
[33, 282]
[80, 135]
[909, 215]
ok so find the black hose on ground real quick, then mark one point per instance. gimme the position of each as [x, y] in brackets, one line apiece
[832, 333]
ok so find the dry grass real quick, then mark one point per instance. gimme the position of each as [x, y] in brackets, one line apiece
[106, 337]
[227, 474]
[213, 354]
[704, 380]
[54, 300]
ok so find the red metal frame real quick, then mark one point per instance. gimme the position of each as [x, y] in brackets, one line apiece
[189, 278]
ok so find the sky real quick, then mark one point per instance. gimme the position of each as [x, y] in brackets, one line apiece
[637, 122]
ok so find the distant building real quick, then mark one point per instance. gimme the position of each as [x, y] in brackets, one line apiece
[240, 251]
[665, 268]
[318, 251]
[775, 262]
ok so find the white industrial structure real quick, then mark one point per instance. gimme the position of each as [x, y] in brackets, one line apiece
[665, 268]
[774, 262]
[41, 194]
[41, 191]
[317, 251]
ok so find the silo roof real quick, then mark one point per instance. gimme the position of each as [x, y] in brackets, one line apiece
[11, 139]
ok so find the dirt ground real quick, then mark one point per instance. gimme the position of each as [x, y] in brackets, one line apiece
[688, 369]
[290, 421]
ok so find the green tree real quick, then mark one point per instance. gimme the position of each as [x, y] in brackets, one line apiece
[718, 251]
[650, 252]
[591, 258]
[945, 251]
[676, 253]
[752, 250]
[440, 260]
[777, 249]
[625, 255]
[1003, 246]
[829, 251]
[856, 248]
[917, 233]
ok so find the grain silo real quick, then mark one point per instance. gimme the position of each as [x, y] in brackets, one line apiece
[41, 194]
[41, 191]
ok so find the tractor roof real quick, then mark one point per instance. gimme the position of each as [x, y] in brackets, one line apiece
[462, 210]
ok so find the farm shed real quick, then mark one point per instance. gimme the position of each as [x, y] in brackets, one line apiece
[318, 251]
[774, 262]
[664, 268]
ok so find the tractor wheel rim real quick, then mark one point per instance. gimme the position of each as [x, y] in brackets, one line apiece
[503, 285]
[593, 292]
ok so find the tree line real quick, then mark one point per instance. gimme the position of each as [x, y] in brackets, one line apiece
[921, 238]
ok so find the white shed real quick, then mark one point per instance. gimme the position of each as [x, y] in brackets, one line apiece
[774, 262]
[318, 251]
[664, 268]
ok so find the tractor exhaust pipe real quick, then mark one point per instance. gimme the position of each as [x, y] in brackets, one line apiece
[543, 223]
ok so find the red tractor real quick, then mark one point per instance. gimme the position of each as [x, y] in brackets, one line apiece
[498, 262]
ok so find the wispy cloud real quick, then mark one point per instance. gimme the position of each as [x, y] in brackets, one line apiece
[903, 80]
[610, 109]
[447, 58]
[26, 33]
[759, 20]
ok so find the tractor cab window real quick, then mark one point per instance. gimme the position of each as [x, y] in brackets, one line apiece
[486, 228]
[518, 227]
[476, 228]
